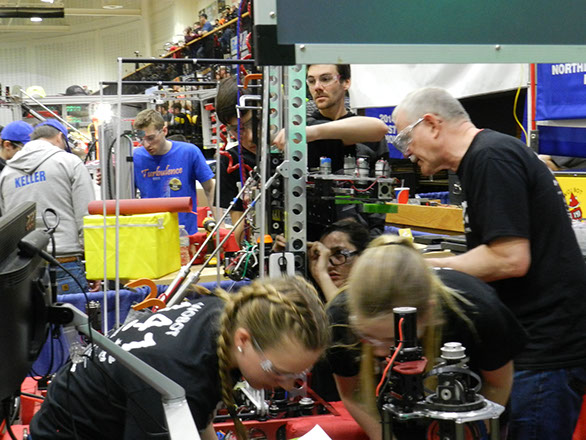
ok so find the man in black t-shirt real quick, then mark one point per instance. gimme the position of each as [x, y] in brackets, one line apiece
[328, 85]
[521, 240]
[348, 131]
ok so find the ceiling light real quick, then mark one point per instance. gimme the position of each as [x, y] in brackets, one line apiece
[111, 4]
[36, 19]
[47, 1]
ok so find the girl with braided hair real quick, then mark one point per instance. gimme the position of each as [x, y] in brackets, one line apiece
[270, 332]
[451, 307]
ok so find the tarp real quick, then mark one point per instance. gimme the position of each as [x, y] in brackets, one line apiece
[383, 85]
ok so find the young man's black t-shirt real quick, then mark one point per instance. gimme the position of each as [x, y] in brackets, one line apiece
[509, 192]
[336, 150]
[106, 400]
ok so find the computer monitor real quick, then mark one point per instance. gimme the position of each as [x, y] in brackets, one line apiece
[23, 301]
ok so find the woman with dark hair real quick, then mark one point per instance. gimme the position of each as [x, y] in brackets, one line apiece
[332, 257]
[330, 261]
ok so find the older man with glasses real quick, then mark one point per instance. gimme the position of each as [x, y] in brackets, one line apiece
[520, 239]
[164, 168]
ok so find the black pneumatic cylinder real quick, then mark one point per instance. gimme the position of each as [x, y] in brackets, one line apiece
[409, 316]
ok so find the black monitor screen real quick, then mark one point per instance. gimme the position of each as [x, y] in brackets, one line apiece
[23, 321]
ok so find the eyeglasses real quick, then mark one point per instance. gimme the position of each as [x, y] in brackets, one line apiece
[150, 138]
[369, 339]
[341, 257]
[324, 80]
[247, 125]
[403, 139]
[268, 367]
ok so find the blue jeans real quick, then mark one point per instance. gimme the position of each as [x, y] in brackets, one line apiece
[66, 284]
[545, 405]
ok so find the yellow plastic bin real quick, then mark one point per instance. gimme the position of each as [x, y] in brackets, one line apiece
[148, 245]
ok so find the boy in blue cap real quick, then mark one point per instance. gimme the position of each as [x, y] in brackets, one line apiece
[13, 136]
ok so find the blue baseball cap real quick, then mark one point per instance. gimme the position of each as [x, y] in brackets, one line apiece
[17, 131]
[59, 126]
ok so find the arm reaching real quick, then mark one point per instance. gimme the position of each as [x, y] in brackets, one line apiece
[502, 258]
[349, 130]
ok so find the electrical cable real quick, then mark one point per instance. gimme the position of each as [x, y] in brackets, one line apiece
[392, 360]
[90, 149]
[49, 258]
[110, 164]
[365, 189]
[515, 107]
[32, 396]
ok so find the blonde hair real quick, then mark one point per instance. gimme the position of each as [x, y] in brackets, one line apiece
[270, 310]
[392, 273]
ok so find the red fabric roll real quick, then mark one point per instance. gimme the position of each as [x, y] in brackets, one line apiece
[142, 206]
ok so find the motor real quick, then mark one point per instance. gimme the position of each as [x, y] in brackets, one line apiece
[452, 411]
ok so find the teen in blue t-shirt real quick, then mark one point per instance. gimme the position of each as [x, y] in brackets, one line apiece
[164, 168]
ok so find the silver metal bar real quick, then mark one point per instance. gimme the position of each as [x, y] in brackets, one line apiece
[71, 127]
[264, 157]
[194, 278]
[117, 203]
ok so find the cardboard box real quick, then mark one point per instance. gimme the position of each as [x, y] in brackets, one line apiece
[148, 245]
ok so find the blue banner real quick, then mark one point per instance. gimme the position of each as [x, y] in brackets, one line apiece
[561, 91]
[562, 141]
[384, 114]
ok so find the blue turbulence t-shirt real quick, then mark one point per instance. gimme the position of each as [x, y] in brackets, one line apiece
[172, 175]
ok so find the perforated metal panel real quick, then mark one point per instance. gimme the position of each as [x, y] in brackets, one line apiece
[296, 155]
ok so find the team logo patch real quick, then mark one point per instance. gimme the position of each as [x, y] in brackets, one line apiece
[175, 184]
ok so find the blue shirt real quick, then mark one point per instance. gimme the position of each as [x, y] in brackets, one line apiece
[172, 175]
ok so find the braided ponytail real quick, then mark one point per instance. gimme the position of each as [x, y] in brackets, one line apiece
[270, 310]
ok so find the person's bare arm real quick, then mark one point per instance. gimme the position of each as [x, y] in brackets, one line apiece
[318, 266]
[503, 258]
[208, 188]
[209, 433]
[239, 230]
[497, 384]
[547, 159]
[349, 130]
[347, 387]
